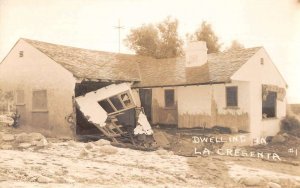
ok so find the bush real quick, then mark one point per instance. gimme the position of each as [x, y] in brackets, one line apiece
[290, 124]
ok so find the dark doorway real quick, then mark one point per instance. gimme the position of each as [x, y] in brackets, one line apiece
[146, 102]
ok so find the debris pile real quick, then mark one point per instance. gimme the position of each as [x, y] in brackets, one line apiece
[22, 141]
[103, 107]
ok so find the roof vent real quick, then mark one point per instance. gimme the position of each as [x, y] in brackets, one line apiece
[261, 61]
[21, 53]
[195, 54]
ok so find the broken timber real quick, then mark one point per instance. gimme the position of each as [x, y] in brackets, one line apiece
[101, 108]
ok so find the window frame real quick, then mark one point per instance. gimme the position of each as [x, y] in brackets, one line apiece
[39, 109]
[18, 103]
[122, 102]
[237, 97]
[275, 107]
[165, 97]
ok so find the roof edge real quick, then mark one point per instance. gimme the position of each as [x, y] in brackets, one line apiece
[176, 85]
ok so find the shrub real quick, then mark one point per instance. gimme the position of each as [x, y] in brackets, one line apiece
[290, 124]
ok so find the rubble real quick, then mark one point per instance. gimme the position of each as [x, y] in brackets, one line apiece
[22, 140]
[252, 181]
[6, 120]
[8, 137]
[44, 179]
[102, 108]
[143, 126]
[278, 139]
[41, 143]
[24, 145]
[102, 142]
[84, 153]
[6, 146]
[273, 185]
[108, 149]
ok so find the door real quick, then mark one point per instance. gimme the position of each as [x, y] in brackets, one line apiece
[146, 102]
[40, 109]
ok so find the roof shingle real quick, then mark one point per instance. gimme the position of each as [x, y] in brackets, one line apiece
[146, 71]
[168, 72]
[91, 64]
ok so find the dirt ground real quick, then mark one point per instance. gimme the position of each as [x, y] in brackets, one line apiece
[68, 163]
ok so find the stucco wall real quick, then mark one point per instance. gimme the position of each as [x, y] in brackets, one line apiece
[258, 73]
[205, 106]
[35, 71]
[160, 113]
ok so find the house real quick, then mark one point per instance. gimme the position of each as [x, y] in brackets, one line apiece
[241, 89]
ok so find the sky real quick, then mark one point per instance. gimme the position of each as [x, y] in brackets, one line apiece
[274, 24]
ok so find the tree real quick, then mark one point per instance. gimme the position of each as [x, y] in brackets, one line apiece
[206, 33]
[159, 41]
[235, 45]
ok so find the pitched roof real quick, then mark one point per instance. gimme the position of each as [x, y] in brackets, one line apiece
[171, 72]
[147, 71]
[91, 64]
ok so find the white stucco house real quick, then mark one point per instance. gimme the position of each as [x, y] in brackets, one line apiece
[239, 89]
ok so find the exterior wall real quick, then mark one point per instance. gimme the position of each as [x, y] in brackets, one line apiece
[205, 106]
[258, 74]
[35, 71]
[160, 113]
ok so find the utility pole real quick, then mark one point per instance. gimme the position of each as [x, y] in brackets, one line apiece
[119, 27]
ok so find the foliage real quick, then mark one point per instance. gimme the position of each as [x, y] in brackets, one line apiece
[235, 45]
[206, 33]
[159, 41]
[291, 125]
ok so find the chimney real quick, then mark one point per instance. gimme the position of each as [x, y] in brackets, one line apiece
[195, 54]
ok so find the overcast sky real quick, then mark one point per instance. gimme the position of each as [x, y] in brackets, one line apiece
[274, 24]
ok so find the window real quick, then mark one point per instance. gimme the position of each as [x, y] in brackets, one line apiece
[20, 97]
[106, 106]
[39, 100]
[126, 100]
[269, 105]
[232, 96]
[169, 98]
[117, 103]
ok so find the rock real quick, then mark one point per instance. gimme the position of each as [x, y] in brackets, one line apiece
[72, 143]
[212, 166]
[6, 147]
[278, 139]
[297, 185]
[252, 181]
[22, 137]
[60, 179]
[285, 135]
[36, 136]
[84, 153]
[108, 149]
[161, 139]
[41, 143]
[89, 146]
[102, 142]
[8, 137]
[273, 185]
[24, 145]
[44, 179]
[162, 152]
[234, 130]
